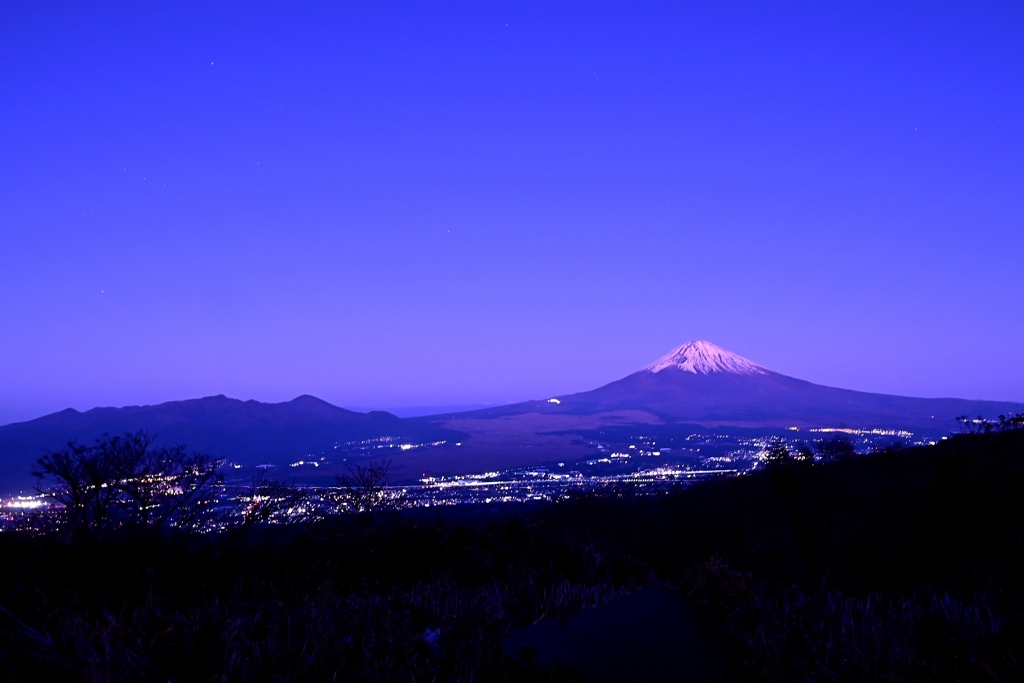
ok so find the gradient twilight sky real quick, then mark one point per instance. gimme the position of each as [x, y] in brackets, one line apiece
[388, 204]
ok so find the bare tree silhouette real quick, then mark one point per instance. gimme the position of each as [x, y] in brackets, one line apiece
[123, 480]
[364, 488]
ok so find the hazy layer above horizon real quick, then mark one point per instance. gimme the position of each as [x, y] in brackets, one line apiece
[420, 411]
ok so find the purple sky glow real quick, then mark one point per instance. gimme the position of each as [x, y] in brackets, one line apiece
[387, 205]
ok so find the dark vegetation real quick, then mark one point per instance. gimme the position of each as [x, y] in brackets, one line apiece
[896, 566]
[125, 481]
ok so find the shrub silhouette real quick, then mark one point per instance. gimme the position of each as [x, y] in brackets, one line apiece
[836, 448]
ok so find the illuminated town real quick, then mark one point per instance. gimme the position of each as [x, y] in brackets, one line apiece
[634, 464]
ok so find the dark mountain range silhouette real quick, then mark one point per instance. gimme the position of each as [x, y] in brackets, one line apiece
[700, 383]
[246, 432]
[697, 384]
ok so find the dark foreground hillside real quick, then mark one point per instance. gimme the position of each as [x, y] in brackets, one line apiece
[896, 567]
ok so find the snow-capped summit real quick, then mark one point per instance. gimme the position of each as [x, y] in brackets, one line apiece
[704, 358]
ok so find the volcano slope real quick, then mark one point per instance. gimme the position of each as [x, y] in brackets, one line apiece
[697, 383]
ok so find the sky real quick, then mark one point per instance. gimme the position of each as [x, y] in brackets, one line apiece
[387, 204]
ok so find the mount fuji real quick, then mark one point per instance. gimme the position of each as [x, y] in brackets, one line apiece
[704, 384]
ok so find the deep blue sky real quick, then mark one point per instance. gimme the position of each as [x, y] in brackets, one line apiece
[388, 204]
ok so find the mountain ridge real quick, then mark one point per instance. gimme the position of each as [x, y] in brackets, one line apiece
[696, 383]
[246, 431]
